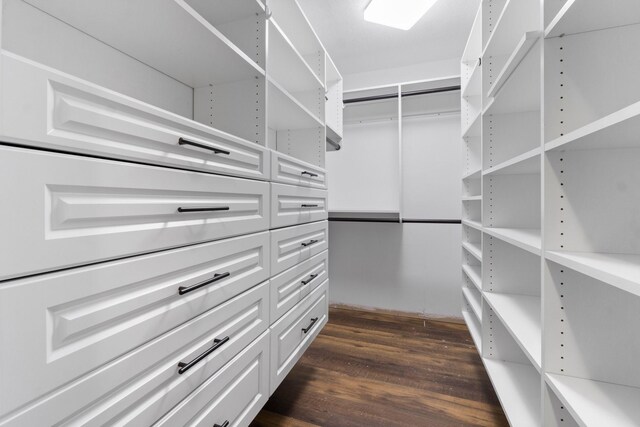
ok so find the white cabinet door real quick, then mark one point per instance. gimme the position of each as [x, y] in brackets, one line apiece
[292, 245]
[140, 387]
[234, 395]
[45, 108]
[62, 211]
[291, 205]
[294, 333]
[289, 170]
[95, 314]
[290, 287]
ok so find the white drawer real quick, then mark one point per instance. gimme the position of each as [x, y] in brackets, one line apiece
[234, 395]
[293, 333]
[73, 322]
[292, 245]
[291, 205]
[290, 287]
[139, 388]
[46, 108]
[289, 170]
[63, 211]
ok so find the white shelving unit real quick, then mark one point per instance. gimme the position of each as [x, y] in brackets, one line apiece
[556, 252]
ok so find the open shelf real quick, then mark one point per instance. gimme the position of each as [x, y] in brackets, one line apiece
[475, 174]
[474, 274]
[517, 16]
[473, 87]
[474, 127]
[619, 270]
[473, 249]
[473, 224]
[617, 130]
[521, 50]
[526, 163]
[579, 16]
[473, 302]
[518, 388]
[596, 403]
[285, 112]
[471, 198]
[525, 238]
[520, 314]
[474, 328]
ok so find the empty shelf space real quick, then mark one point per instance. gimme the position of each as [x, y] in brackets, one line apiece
[520, 314]
[619, 270]
[525, 238]
[285, 112]
[518, 389]
[471, 198]
[474, 273]
[595, 403]
[474, 127]
[475, 174]
[517, 16]
[473, 302]
[578, 16]
[473, 249]
[474, 329]
[473, 224]
[523, 47]
[473, 86]
[617, 130]
[526, 163]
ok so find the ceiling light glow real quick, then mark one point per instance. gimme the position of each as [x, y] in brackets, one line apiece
[401, 14]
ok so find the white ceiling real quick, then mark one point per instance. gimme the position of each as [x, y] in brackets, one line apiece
[359, 46]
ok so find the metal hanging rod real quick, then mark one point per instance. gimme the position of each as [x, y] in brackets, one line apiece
[404, 94]
[335, 144]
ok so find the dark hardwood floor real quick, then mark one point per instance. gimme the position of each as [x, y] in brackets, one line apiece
[371, 369]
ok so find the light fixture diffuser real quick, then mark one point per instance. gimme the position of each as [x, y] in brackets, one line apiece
[401, 14]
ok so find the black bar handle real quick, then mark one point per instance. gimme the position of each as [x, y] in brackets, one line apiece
[308, 206]
[309, 280]
[311, 174]
[216, 150]
[308, 328]
[186, 289]
[184, 367]
[309, 243]
[224, 424]
[222, 208]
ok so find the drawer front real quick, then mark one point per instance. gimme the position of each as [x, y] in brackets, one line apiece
[139, 388]
[63, 211]
[235, 394]
[290, 287]
[292, 205]
[45, 108]
[289, 170]
[292, 245]
[76, 321]
[294, 333]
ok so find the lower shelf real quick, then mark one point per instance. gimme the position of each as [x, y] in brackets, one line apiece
[474, 328]
[518, 389]
[595, 403]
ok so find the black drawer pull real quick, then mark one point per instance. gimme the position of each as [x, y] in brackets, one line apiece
[308, 328]
[311, 174]
[224, 424]
[184, 367]
[309, 243]
[308, 206]
[183, 141]
[309, 280]
[186, 289]
[223, 208]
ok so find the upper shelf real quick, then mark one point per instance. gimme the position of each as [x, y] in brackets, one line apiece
[526, 163]
[578, 16]
[286, 113]
[473, 86]
[518, 16]
[524, 45]
[168, 35]
[525, 238]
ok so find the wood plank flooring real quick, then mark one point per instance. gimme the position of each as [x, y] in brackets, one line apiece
[371, 369]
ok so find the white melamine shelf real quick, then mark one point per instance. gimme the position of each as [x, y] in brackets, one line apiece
[596, 403]
[474, 274]
[520, 315]
[285, 112]
[474, 329]
[473, 87]
[578, 16]
[474, 127]
[617, 130]
[517, 16]
[473, 224]
[521, 50]
[473, 302]
[473, 174]
[176, 39]
[526, 163]
[473, 249]
[525, 238]
[619, 270]
[518, 389]
[471, 198]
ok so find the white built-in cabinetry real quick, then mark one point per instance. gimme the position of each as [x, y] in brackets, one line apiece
[164, 257]
[551, 246]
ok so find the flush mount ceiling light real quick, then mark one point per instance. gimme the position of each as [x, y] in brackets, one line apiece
[401, 14]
